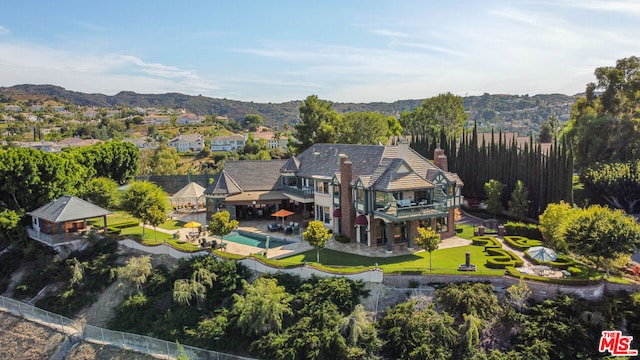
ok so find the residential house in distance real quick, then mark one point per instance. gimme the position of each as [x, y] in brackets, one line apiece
[14, 108]
[270, 137]
[375, 195]
[189, 119]
[142, 143]
[227, 142]
[76, 141]
[157, 119]
[90, 113]
[48, 146]
[187, 142]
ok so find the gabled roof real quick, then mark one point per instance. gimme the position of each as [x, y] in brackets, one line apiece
[248, 175]
[324, 159]
[399, 176]
[292, 165]
[374, 165]
[223, 184]
[68, 208]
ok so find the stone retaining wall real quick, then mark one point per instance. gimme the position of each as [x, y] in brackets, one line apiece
[539, 290]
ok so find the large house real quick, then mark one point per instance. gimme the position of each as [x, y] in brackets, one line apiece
[187, 142]
[373, 194]
[189, 119]
[228, 142]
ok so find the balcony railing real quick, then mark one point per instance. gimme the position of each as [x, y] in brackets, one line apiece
[414, 211]
[55, 239]
[306, 192]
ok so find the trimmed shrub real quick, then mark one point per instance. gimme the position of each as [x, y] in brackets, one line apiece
[342, 239]
[521, 242]
[531, 231]
[510, 271]
[501, 258]
[486, 241]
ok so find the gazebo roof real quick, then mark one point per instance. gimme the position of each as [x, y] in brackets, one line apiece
[191, 190]
[68, 208]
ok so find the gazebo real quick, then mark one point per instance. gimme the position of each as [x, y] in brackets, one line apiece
[62, 221]
[189, 196]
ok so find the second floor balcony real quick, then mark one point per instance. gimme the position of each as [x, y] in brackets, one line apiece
[411, 211]
[303, 192]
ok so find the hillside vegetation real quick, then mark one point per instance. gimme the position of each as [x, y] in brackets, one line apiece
[507, 112]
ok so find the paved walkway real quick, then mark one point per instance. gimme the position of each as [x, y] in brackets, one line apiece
[298, 245]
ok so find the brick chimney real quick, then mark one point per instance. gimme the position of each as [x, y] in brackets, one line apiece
[440, 159]
[347, 208]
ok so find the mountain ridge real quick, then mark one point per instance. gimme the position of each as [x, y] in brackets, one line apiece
[495, 110]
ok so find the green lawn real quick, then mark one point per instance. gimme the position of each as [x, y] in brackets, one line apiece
[149, 234]
[467, 231]
[444, 260]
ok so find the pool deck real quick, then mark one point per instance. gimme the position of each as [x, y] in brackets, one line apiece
[297, 245]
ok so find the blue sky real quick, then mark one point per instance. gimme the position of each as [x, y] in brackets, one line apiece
[343, 51]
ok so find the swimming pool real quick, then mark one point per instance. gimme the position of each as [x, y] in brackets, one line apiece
[253, 239]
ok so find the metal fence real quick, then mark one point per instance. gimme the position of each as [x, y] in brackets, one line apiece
[93, 334]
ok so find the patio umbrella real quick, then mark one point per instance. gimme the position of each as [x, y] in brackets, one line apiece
[192, 224]
[283, 214]
[542, 253]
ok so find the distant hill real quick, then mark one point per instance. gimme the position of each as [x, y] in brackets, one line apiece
[508, 112]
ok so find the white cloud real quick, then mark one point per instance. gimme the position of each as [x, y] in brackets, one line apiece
[4, 30]
[105, 73]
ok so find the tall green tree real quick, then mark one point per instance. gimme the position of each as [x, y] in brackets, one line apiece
[263, 307]
[221, 224]
[618, 183]
[136, 271]
[364, 128]
[32, 178]
[164, 160]
[601, 234]
[146, 201]
[317, 235]
[446, 111]
[185, 290]
[552, 222]
[319, 123]
[411, 332]
[493, 188]
[519, 202]
[429, 240]
[102, 191]
[605, 127]
[115, 160]
[252, 121]
[360, 333]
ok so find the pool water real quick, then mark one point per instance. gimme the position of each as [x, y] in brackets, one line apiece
[254, 240]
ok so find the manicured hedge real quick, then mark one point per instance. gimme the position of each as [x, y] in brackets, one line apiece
[501, 258]
[521, 243]
[511, 271]
[563, 262]
[486, 241]
[531, 231]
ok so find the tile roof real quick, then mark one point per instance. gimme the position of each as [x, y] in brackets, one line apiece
[68, 208]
